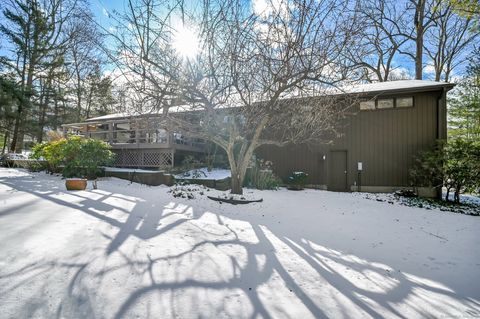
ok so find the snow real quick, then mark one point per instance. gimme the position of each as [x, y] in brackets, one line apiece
[204, 173]
[126, 115]
[128, 250]
[396, 85]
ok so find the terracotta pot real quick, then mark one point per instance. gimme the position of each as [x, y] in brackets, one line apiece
[76, 184]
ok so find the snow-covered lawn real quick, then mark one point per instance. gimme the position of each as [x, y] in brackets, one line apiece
[133, 251]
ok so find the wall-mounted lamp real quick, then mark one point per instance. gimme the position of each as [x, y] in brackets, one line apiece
[324, 157]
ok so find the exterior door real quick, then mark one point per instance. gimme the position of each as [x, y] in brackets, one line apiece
[337, 171]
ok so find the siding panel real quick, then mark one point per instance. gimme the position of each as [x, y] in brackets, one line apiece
[386, 141]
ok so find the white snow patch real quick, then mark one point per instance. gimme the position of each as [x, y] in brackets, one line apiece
[395, 85]
[204, 173]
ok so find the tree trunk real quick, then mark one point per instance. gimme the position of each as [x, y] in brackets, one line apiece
[16, 128]
[236, 185]
[420, 30]
[41, 121]
[447, 195]
[5, 141]
[55, 114]
[456, 197]
[19, 129]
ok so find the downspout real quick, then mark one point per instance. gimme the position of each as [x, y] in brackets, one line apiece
[441, 133]
[441, 126]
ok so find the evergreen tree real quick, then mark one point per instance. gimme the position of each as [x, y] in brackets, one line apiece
[9, 100]
[32, 30]
[464, 110]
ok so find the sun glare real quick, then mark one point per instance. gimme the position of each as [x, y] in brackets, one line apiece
[185, 42]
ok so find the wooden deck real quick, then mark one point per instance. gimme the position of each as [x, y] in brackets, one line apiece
[138, 143]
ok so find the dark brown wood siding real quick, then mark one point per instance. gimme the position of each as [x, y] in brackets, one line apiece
[386, 141]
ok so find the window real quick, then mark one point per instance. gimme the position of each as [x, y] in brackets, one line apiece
[385, 103]
[367, 105]
[405, 101]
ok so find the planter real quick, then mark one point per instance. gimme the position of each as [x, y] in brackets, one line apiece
[76, 184]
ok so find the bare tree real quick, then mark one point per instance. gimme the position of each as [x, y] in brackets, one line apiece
[256, 79]
[384, 33]
[143, 53]
[448, 41]
[83, 56]
[422, 16]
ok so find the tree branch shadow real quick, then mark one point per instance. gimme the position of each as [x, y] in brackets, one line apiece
[145, 223]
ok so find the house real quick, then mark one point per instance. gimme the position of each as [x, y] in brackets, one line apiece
[392, 123]
[380, 137]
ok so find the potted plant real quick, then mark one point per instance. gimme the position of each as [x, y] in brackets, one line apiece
[297, 181]
[84, 159]
[81, 159]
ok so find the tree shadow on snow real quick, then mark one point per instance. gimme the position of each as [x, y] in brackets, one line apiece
[269, 259]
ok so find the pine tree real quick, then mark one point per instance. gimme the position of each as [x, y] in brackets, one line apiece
[9, 99]
[28, 29]
[464, 110]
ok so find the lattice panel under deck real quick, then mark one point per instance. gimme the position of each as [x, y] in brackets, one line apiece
[142, 158]
[160, 159]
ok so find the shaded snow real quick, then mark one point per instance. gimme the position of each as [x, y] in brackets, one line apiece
[469, 204]
[129, 250]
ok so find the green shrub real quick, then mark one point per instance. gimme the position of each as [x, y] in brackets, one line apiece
[79, 157]
[52, 152]
[455, 165]
[297, 180]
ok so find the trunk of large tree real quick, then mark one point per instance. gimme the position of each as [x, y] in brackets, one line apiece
[236, 185]
[420, 30]
[238, 168]
[5, 141]
[239, 164]
[19, 128]
[16, 128]
[456, 195]
[21, 136]
[236, 179]
[419, 59]
[41, 121]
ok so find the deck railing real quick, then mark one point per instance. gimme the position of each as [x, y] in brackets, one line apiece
[143, 136]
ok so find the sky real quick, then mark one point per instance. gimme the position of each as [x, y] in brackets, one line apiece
[103, 9]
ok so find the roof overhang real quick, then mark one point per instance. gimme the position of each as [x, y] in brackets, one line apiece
[366, 90]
